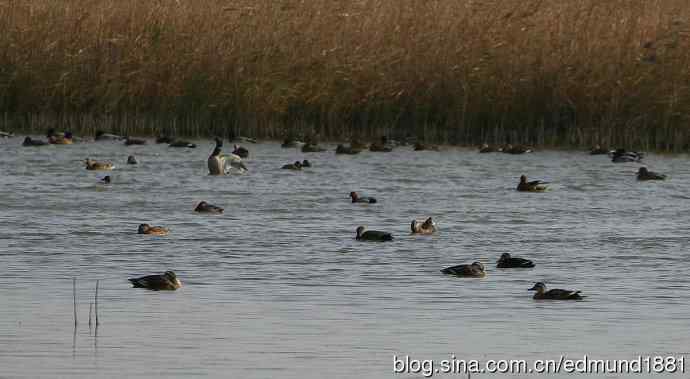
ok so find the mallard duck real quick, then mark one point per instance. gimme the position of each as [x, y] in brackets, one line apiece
[372, 235]
[306, 163]
[291, 142]
[598, 150]
[166, 282]
[554, 294]
[533, 186]
[312, 148]
[423, 227]
[293, 166]
[342, 149]
[164, 139]
[32, 142]
[419, 146]
[134, 141]
[153, 230]
[623, 156]
[519, 149]
[475, 270]
[240, 151]
[485, 148]
[363, 199]
[506, 261]
[205, 207]
[132, 160]
[644, 174]
[382, 146]
[103, 136]
[99, 166]
[182, 143]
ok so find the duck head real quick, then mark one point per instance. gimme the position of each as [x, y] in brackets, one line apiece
[106, 180]
[298, 164]
[172, 278]
[219, 142]
[143, 228]
[216, 152]
[504, 256]
[523, 179]
[354, 196]
[306, 163]
[131, 160]
[360, 230]
[539, 287]
[201, 206]
[428, 223]
[643, 171]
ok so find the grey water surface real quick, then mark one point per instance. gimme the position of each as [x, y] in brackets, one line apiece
[277, 287]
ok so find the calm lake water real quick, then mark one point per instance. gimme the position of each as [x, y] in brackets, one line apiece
[277, 287]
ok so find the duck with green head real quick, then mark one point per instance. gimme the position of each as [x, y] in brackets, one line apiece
[166, 282]
[554, 294]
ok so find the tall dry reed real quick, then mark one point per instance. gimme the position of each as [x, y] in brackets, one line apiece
[554, 72]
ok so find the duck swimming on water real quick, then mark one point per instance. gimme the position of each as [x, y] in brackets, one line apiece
[153, 230]
[372, 235]
[205, 207]
[131, 160]
[475, 270]
[292, 166]
[554, 294]
[363, 199]
[98, 166]
[166, 282]
[623, 156]
[423, 227]
[506, 261]
[533, 186]
[644, 174]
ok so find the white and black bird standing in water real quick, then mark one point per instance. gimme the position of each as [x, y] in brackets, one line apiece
[222, 164]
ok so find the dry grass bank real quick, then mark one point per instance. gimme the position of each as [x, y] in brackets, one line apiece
[557, 72]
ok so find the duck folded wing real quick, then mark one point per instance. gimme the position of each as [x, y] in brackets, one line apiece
[562, 294]
[150, 281]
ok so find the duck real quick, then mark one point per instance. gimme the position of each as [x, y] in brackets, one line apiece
[291, 143]
[153, 230]
[372, 235]
[293, 166]
[598, 150]
[132, 160]
[363, 199]
[33, 142]
[475, 270]
[382, 147]
[485, 148]
[312, 148]
[166, 282]
[164, 139]
[423, 227]
[506, 261]
[56, 138]
[106, 179]
[644, 174]
[240, 151]
[103, 136]
[182, 143]
[554, 294]
[419, 146]
[134, 141]
[622, 156]
[204, 207]
[533, 186]
[100, 166]
[342, 149]
[219, 164]
[519, 149]
[306, 163]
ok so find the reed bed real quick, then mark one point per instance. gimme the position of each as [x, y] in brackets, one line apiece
[551, 73]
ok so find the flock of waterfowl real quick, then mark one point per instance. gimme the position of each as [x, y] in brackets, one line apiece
[222, 164]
